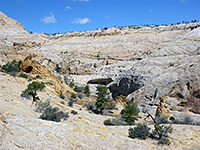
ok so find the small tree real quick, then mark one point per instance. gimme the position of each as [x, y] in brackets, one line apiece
[86, 89]
[129, 113]
[33, 88]
[102, 99]
[73, 95]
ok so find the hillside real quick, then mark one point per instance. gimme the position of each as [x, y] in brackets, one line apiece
[137, 63]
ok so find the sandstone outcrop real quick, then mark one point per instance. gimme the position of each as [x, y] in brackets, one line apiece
[35, 69]
[24, 130]
[163, 109]
[145, 62]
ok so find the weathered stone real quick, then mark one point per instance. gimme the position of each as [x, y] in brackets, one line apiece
[163, 109]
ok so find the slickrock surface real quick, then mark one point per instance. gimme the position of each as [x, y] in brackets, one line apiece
[21, 128]
[143, 63]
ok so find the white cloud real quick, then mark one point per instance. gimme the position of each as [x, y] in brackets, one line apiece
[49, 19]
[68, 7]
[81, 21]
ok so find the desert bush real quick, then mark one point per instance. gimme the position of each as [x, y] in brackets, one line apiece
[114, 122]
[41, 106]
[32, 89]
[162, 119]
[141, 131]
[90, 105]
[73, 95]
[86, 89]
[129, 113]
[12, 67]
[61, 95]
[87, 94]
[164, 140]
[53, 114]
[22, 75]
[71, 84]
[74, 112]
[80, 96]
[58, 68]
[161, 133]
[70, 103]
[78, 89]
[110, 106]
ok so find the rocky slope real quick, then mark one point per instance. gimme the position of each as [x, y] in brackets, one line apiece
[141, 62]
[20, 127]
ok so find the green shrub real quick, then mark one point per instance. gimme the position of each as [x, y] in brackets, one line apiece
[162, 119]
[141, 131]
[41, 106]
[110, 106]
[70, 103]
[58, 69]
[164, 140]
[62, 96]
[129, 113]
[102, 99]
[78, 89]
[74, 112]
[114, 122]
[71, 84]
[11, 67]
[53, 114]
[32, 89]
[161, 133]
[86, 89]
[73, 95]
[22, 75]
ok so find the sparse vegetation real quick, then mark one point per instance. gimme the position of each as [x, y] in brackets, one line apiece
[114, 122]
[61, 95]
[73, 95]
[71, 84]
[129, 113]
[22, 75]
[32, 89]
[12, 67]
[53, 114]
[74, 112]
[41, 106]
[141, 131]
[161, 133]
[110, 106]
[78, 89]
[49, 112]
[70, 103]
[86, 89]
[58, 68]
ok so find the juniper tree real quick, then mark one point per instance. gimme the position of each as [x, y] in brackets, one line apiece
[32, 89]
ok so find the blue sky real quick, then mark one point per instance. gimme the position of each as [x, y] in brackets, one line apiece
[53, 16]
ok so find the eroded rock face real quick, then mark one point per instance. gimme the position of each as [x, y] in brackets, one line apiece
[102, 81]
[34, 68]
[163, 109]
[170, 70]
[126, 85]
